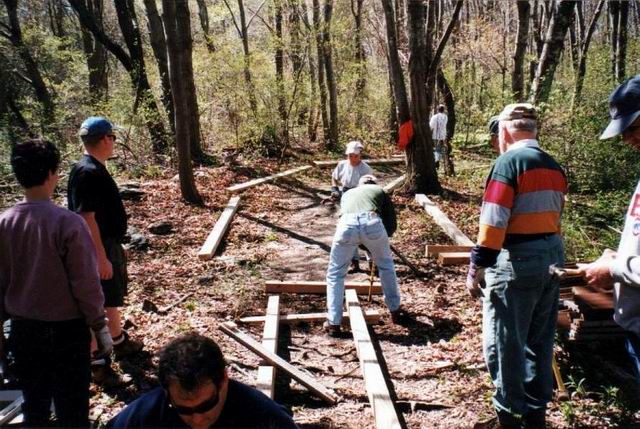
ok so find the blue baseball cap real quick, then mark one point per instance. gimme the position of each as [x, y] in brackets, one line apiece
[95, 126]
[624, 107]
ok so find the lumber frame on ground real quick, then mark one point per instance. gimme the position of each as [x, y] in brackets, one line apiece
[371, 316]
[242, 186]
[394, 184]
[231, 329]
[436, 249]
[267, 373]
[443, 221]
[454, 258]
[215, 237]
[382, 161]
[384, 411]
[317, 287]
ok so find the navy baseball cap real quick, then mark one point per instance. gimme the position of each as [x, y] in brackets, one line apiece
[493, 123]
[624, 107]
[95, 126]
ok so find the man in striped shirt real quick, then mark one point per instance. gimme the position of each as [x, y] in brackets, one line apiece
[518, 241]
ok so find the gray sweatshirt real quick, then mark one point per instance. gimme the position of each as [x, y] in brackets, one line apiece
[626, 270]
[48, 267]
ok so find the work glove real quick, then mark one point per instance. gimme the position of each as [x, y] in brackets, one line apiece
[104, 342]
[335, 193]
[475, 280]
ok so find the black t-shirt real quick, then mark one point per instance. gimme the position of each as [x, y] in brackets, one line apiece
[92, 189]
[245, 408]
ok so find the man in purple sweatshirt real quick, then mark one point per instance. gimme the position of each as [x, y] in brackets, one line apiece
[50, 289]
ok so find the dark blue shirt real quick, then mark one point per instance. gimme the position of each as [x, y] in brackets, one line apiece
[245, 407]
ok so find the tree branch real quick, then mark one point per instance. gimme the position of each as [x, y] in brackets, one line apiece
[445, 37]
[233, 18]
[255, 13]
[592, 28]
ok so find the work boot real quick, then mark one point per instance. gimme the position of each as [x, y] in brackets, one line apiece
[535, 419]
[106, 377]
[125, 346]
[508, 421]
[355, 267]
[400, 316]
[333, 331]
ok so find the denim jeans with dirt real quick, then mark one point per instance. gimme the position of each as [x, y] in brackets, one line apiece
[355, 229]
[520, 310]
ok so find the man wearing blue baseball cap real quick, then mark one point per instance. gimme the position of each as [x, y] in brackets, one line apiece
[620, 270]
[94, 195]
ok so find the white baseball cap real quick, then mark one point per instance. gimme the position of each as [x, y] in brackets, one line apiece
[354, 146]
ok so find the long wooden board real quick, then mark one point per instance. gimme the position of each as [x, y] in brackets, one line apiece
[215, 237]
[317, 287]
[436, 249]
[384, 411]
[454, 258]
[382, 161]
[371, 316]
[267, 373]
[443, 221]
[307, 381]
[242, 186]
[394, 184]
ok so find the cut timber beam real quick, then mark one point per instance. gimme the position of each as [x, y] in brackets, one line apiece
[384, 161]
[436, 249]
[443, 221]
[394, 184]
[267, 373]
[454, 258]
[371, 316]
[242, 186]
[384, 411]
[319, 288]
[307, 381]
[215, 237]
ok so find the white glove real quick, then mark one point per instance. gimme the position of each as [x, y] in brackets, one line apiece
[104, 342]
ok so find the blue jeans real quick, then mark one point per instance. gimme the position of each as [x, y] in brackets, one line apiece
[520, 310]
[355, 229]
[633, 348]
[52, 363]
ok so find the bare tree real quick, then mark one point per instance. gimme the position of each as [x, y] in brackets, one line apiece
[96, 53]
[582, 55]
[176, 19]
[331, 77]
[360, 58]
[517, 77]
[322, 86]
[279, 62]
[395, 68]
[203, 14]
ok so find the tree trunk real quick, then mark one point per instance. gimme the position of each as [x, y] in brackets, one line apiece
[421, 172]
[331, 78]
[176, 20]
[322, 87]
[159, 46]
[279, 61]
[360, 59]
[621, 44]
[517, 77]
[449, 101]
[247, 59]
[582, 63]
[560, 22]
[312, 124]
[33, 71]
[395, 68]
[614, 18]
[203, 14]
[96, 54]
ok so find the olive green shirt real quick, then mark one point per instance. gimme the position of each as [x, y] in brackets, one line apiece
[370, 198]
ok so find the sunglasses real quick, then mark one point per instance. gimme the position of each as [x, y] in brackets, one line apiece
[201, 408]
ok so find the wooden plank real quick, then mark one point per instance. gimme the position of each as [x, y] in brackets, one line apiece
[231, 329]
[371, 316]
[436, 249]
[242, 186]
[382, 161]
[317, 287]
[394, 184]
[454, 258]
[443, 221]
[215, 237]
[267, 373]
[384, 411]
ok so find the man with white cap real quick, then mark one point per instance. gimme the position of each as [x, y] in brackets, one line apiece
[346, 176]
[367, 217]
[620, 270]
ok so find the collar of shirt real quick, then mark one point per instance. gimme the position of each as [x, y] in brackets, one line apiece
[523, 143]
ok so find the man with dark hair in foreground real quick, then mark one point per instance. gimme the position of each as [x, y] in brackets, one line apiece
[196, 392]
[49, 288]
